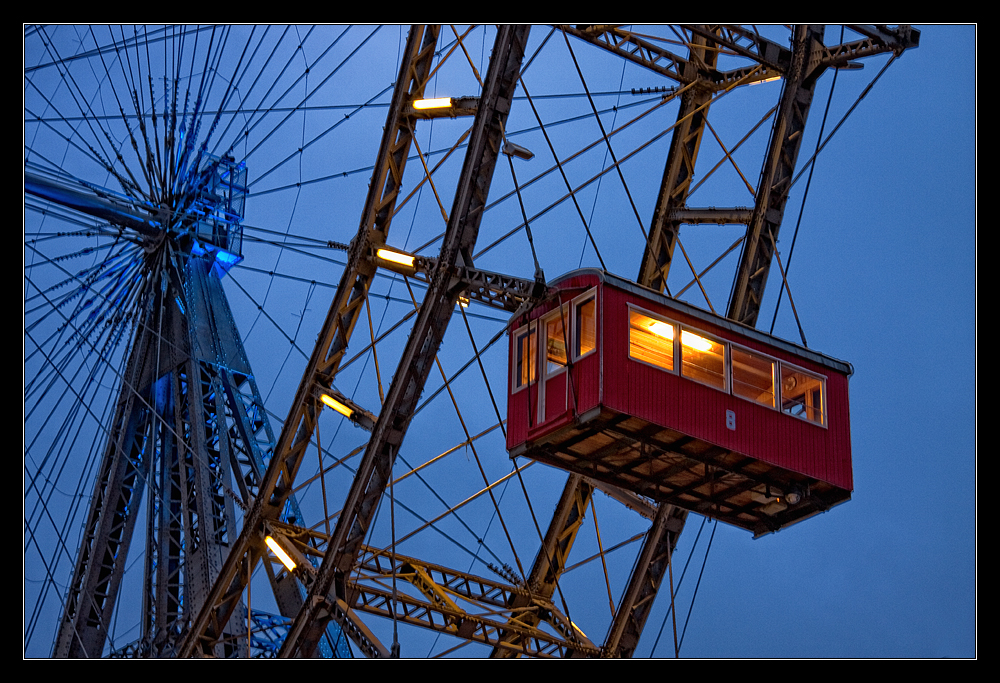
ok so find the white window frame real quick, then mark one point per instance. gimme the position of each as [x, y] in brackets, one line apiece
[824, 409]
[725, 357]
[662, 319]
[775, 375]
[525, 330]
[543, 350]
[574, 340]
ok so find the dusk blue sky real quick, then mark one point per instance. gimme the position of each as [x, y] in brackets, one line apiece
[883, 276]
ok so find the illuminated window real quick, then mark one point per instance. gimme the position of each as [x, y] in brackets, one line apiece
[650, 340]
[555, 342]
[753, 377]
[703, 359]
[803, 394]
[525, 353]
[585, 331]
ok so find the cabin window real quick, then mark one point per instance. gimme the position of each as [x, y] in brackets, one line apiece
[725, 366]
[753, 376]
[525, 361]
[555, 341]
[703, 359]
[650, 340]
[584, 325]
[803, 394]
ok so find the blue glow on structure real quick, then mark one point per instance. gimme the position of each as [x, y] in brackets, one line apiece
[219, 204]
[222, 260]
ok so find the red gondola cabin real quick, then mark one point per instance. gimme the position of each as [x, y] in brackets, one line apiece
[629, 387]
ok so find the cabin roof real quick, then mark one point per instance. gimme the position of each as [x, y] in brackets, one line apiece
[840, 366]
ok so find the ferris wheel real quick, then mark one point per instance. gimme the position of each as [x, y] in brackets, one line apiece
[269, 274]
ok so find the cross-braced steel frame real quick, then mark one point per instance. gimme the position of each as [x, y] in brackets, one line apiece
[189, 414]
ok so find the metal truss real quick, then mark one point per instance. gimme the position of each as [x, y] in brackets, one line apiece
[190, 424]
[512, 618]
[466, 606]
[335, 593]
[372, 475]
[190, 434]
[497, 290]
[678, 173]
[450, 275]
[549, 564]
[775, 179]
[698, 67]
[809, 59]
[772, 60]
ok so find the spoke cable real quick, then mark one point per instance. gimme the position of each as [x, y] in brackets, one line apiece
[604, 135]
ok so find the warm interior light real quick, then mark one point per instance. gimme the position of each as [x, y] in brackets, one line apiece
[435, 103]
[337, 405]
[693, 341]
[662, 329]
[395, 257]
[280, 554]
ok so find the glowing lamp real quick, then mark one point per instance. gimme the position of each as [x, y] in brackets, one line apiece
[435, 103]
[337, 405]
[395, 257]
[280, 553]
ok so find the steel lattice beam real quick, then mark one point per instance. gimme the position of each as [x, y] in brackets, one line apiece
[549, 564]
[454, 602]
[497, 290]
[647, 577]
[108, 532]
[635, 49]
[767, 56]
[810, 58]
[519, 635]
[189, 422]
[678, 173]
[775, 178]
[878, 40]
[472, 627]
[418, 357]
[749, 44]
[444, 587]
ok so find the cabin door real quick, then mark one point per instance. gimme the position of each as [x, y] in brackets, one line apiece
[553, 384]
